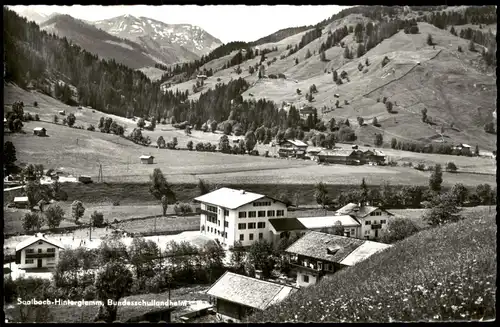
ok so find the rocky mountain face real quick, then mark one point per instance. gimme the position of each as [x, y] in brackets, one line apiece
[190, 42]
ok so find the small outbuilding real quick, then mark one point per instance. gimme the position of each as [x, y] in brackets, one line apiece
[21, 202]
[40, 131]
[85, 179]
[147, 159]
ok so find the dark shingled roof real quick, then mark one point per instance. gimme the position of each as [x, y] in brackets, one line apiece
[286, 224]
[315, 245]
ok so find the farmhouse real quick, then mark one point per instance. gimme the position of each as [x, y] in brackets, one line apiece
[85, 179]
[374, 156]
[373, 219]
[38, 252]
[62, 112]
[312, 153]
[21, 201]
[232, 216]
[292, 148]
[284, 228]
[40, 131]
[318, 254]
[147, 159]
[201, 78]
[346, 157]
[306, 111]
[463, 149]
[237, 296]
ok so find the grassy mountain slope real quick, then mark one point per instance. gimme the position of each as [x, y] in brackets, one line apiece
[440, 274]
[450, 84]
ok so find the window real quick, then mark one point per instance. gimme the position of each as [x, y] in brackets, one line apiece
[226, 212]
[270, 213]
[368, 222]
[378, 213]
[352, 231]
[250, 237]
[374, 222]
[40, 243]
[225, 234]
[252, 214]
[383, 221]
[40, 250]
[320, 265]
[262, 213]
[367, 232]
[242, 237]
[329, 267]
[28, 261]
[261, 225]
[280, 213]
[242, 226]
[251, 225]
[51, 250]
[261, 236]
[242, 214]
[372, 213]
[226, 224]
[305, 278]
[212, 208]
[30, 250]
[218, 222]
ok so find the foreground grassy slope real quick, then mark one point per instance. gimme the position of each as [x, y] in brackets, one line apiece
[440, 274]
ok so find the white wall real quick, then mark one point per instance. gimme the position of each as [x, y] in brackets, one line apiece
[46, 262]
[366, 230]
[233, 233]
[300, 278]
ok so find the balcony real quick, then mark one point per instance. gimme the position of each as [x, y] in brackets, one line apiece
[40, 255]
[311, 266]
[377, 226]
[206, 212]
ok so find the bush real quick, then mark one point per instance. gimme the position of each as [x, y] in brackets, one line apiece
[90, 293]
[398, 229]
[459, 49]
[91, 128]
[451, 167]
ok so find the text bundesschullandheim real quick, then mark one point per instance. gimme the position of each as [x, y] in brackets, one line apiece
[80, 303]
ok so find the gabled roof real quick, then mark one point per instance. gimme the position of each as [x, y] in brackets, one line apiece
[36, 238]
[39, 129]
[336, 153]
[315, 245]
[328, 221]
[286, 224]
[146, 157]
[358, 211]
[363, 252]
[230, 198]
[250, 292]
[314, 150]
[21, 199]
[295, 142]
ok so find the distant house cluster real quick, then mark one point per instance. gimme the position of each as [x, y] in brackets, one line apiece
[300, 150]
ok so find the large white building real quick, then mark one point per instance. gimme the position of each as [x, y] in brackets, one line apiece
[373, 219]
[233, 216]
[38, 252]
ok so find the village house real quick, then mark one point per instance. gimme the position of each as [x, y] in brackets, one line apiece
[21, 202]
[312, 153]
[38, 252]
[40, 131]
[374, 156]
[285, 228]
[462, 149]
[147, 159]
[236, 296]
[373, 219]
[345, 157]
[231, 216]
[318, 254]
[306, 111]
[201, 78]
[292, 148]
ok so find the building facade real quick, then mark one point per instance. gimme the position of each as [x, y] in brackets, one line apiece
[292, 148]
[38, 252]
[373, 220]
[147, 159]
[231, 216]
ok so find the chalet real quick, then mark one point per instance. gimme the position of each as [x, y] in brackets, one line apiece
[318, 254]
[463, 149]
[292, 148]
[201, 78]
[62, 112]
[40, 131]
[21, 202]
[373, 219]
[374, 156]
[149, 159]
[284, 228]
[231, 216]
[306, 111]
[38, 252]
[346, 157]
[237, 296]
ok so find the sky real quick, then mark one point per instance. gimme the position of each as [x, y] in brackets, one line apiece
[227, 23]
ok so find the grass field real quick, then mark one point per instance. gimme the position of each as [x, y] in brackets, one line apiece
[163, 224]
[440, 274]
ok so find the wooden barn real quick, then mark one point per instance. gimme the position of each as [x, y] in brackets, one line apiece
[147, 159]
[346, 157]
[374, 156]
[40, 131]
[292, 148]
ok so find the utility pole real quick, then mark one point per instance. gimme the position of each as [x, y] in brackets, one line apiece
[90, 229]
